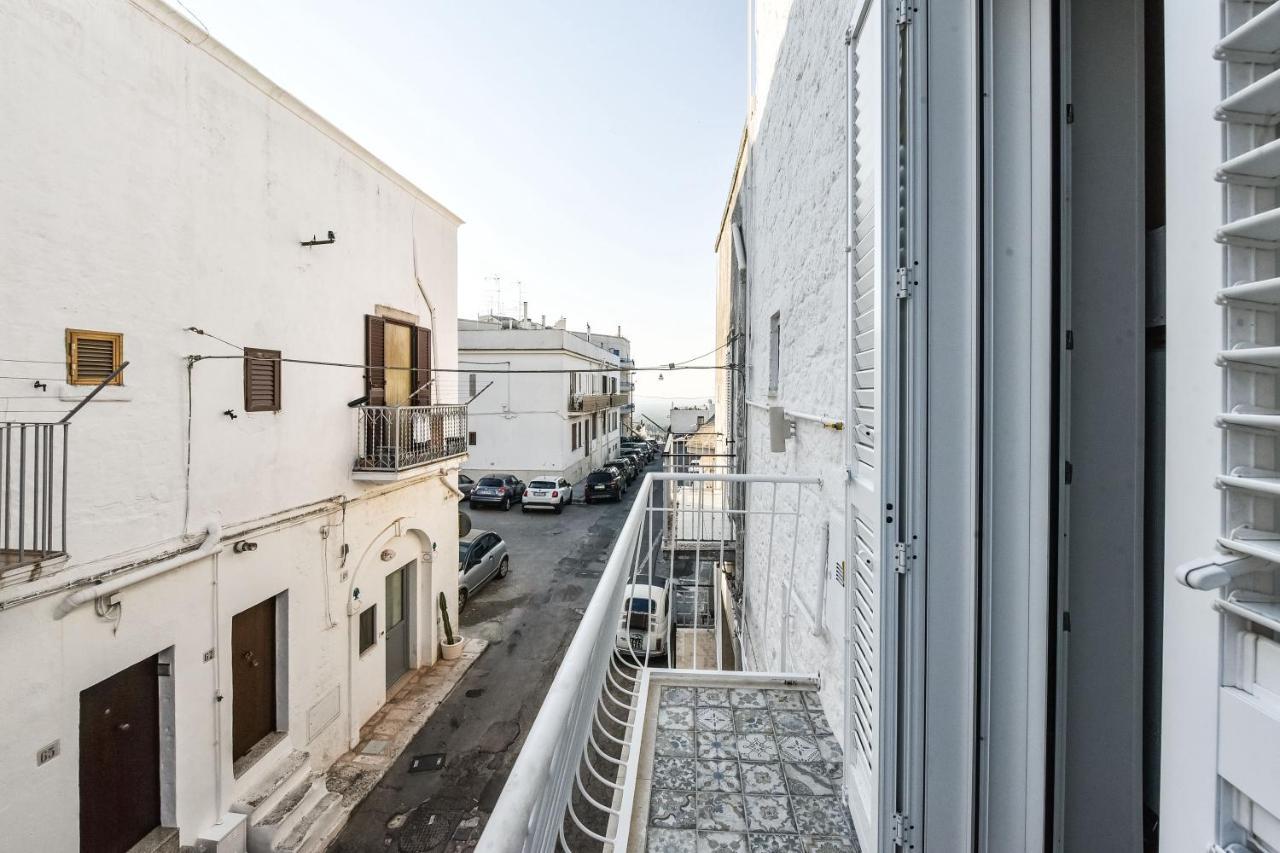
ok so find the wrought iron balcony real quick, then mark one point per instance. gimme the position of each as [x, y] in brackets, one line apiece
[33, 493]
[392, 440]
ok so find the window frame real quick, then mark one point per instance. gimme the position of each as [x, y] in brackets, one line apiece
[775, 353]
[73, 338]
[371, 613]
[258, 354]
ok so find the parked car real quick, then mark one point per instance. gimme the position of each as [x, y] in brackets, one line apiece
[503, 490]
[482, 556]
[465, 485]
[642, 450]
[627, 467]
[637, 459]
[602, 484]
[551, 492]
[645, 627]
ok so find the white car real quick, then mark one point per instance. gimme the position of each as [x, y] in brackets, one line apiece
[644, 628]
[553, 493]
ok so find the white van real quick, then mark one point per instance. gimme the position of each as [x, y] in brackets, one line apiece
[645, 626]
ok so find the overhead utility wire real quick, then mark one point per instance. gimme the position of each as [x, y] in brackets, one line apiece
[660, 367]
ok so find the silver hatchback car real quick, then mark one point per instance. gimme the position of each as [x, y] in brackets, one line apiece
[482, 556]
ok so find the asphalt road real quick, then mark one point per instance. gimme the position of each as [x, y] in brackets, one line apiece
[528, 618]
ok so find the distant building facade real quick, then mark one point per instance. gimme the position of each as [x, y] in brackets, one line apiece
[686, 420]
[565, 420]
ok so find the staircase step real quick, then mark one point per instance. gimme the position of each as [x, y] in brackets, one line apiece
[268, 832]
[313, 832]
[162, 839]
[263, 798]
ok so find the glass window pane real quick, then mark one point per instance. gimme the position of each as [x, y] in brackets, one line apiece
[395, 598]
[368, 624]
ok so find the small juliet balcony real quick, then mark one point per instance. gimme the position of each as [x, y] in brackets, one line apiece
[395, 442]
[33, 493]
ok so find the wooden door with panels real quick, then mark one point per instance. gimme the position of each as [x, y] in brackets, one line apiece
[253, 676]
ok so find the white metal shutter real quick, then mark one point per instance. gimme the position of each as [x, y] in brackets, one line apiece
[863, 536]
[1246, 575]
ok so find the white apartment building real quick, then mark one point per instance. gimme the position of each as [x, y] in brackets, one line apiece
[222, 565]
[621, 347]
[545, 400]
[686, 420]
[998, 284]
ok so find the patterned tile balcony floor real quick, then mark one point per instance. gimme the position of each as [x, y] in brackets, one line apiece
[739, 770]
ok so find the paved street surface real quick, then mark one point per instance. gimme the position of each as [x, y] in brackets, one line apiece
[528, 618]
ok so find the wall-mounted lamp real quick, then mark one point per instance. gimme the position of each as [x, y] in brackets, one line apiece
[314, 242]
[387, 555]
[244, 545]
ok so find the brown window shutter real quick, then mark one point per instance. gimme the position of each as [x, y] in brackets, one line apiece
[421, 366]
[93, 356]
[375, 356]
[261, 380]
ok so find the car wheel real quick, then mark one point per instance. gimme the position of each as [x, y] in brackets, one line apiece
[504, 567]
[558, 508]
[462, 598]
[524, 509]
[506, 504]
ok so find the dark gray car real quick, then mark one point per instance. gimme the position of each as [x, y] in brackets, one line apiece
[482, 556]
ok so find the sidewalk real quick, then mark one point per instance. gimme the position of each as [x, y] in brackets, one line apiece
[384, 737]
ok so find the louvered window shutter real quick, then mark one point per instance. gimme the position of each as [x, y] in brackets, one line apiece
[1248, 726]
[261, 380]
[93, 356]
[375, 357]
[864, 278]
[421, 367]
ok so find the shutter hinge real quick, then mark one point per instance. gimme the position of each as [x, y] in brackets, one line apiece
[1071, 339]
[1071, 113]
[902, 557]
[905, 12]
[900, 284]
[901, 830]
[1067, 472]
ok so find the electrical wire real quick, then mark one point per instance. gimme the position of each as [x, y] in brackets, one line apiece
[731, 339]
[212, 335]
[318, 363]
[31, 361]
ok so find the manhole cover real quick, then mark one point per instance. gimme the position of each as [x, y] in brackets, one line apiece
[426, 763]
[426, 831]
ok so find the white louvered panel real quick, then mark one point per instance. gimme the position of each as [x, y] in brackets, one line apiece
[866, 278]
[1248, 733]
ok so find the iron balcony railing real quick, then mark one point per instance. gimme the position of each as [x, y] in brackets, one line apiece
[573, 783]
[33, 492]
[395, 438]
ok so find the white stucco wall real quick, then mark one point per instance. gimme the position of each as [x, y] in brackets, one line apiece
[522, 421]
[150, 182]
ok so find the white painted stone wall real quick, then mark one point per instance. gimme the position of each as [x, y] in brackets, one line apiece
[793, 193]
[686, 420]
[522, 421]
[153, 181]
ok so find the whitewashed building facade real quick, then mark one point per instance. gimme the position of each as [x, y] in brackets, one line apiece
[557, 411]
[238, 558]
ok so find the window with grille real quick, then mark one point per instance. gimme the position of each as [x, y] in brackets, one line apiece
[261, 380]
[93, 356]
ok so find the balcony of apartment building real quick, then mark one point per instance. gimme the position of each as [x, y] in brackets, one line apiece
[697, 751]
[395, 442]
[579, 402]
[33, 493]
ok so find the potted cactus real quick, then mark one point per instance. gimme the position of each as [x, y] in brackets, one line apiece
[450, 645]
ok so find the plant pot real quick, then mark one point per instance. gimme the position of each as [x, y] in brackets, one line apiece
[451, 651]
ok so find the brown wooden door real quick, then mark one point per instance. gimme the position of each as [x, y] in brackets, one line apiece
[120, 759]
[253, 676]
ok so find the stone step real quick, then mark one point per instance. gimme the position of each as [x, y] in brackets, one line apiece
[265, 834]
[162, 839]
[316, 829]
[263, 798]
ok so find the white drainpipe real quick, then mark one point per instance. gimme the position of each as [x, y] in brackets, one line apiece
[211, 544]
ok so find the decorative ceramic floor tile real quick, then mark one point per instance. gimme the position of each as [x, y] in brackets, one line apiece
[717, 745]
[757, 747]
[675, 717]
[676, 696]
[812, 700]
[721, 776]
[721, 812]
[713, 696]
[769, 813]
[829, 747]
[763, 777]
[672, 841]
[835, 769]
[761, 843]
[677, 744]
[673, 809]
[792, 722]
[679, 774]
[820, 725]
[785, 700]
[798, 748]
[722, 842]
[752, 721]
[715, 720]
[826, 844]
[808, 780]
[740, 698]
[821, 816]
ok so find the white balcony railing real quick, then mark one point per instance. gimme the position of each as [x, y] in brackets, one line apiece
[392, 439]
[571, 787]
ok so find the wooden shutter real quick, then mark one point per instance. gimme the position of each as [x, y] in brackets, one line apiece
[375, 357]
[421, 367]
[261, 380]
[92, 356]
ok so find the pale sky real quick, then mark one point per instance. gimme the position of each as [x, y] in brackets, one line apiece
[588, 144]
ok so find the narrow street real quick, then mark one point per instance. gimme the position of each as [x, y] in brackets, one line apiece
[528, 618]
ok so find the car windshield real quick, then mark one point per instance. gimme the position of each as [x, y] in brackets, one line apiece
[599, 477]
[641, 605]
[489, 481]
[463, 548]
[541, 484]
